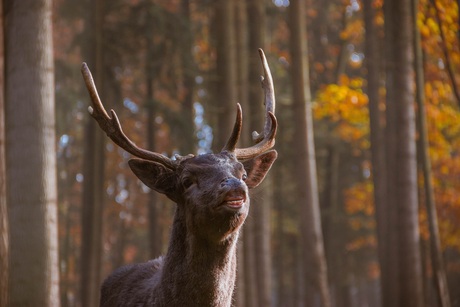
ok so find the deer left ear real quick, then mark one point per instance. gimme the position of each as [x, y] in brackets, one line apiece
[258, 167]
[155, 175]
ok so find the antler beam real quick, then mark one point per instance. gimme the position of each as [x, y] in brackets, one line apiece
[265, 140]
[111, 125]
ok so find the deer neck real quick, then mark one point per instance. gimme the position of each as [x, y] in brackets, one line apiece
[203, 271]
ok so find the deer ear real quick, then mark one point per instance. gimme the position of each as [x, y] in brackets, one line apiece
[258, 167]
[155, 175]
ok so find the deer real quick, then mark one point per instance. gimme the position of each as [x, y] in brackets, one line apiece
[211, 193]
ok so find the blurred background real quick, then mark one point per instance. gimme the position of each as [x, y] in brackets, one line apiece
[362, 207]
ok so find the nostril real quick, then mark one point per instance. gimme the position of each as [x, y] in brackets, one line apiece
[229, 182]
[225, 182]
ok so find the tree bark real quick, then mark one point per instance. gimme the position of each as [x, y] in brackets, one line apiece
[305, 176]
[410, 275]
[280, 251]
[260, 205]
[437, 261]
[30, 156]
[241, 30]
[4, 244]
[188, 144]
[155, 229]
[93, 169]
[377, 138]
[391, 296]
[225, 70]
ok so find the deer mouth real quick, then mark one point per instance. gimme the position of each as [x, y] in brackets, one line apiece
[234, 200]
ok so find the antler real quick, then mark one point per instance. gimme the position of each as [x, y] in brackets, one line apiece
[111, 125]
[265, 140]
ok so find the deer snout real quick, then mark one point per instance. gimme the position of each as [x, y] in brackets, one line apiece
[234, 194]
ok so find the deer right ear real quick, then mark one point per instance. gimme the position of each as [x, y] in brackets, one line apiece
[258, 167]
[155, 175]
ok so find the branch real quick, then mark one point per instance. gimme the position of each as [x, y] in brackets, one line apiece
[443, 46]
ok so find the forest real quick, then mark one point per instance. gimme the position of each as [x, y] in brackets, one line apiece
[361, 207]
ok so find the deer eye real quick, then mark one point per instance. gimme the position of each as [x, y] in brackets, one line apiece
[187, 182]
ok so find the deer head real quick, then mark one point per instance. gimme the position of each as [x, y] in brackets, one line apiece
[218, 180]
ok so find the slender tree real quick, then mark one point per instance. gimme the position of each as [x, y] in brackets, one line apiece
[244, 291]
[225, 68]
[260, 206]
[93, 170]
[336, 231]
[437, 261]
[153, 203]
[305, 175]
[377, 138]
[30, 154]
[391, 293]
[447, 58]
[405, 161]
[3, 206]
[188, 143]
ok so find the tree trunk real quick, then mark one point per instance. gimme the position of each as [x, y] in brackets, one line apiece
[188, 144]
[410, 276]
[280, 266]
[305, 176]
[241, 30]
[225, 70]
[155, 231]
[391, 243]
[65, 247]
[118, 253]
[93, 170]
[30, 156]
[377, 138]
[260, 205]
[437, 261]
[4, 244]
[335, 228]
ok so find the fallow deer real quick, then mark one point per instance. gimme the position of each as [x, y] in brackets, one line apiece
[212, 202]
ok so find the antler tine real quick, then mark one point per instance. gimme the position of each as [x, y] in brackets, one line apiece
[231, 143]
[265, 140]
[112, 127]
[267, 84]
